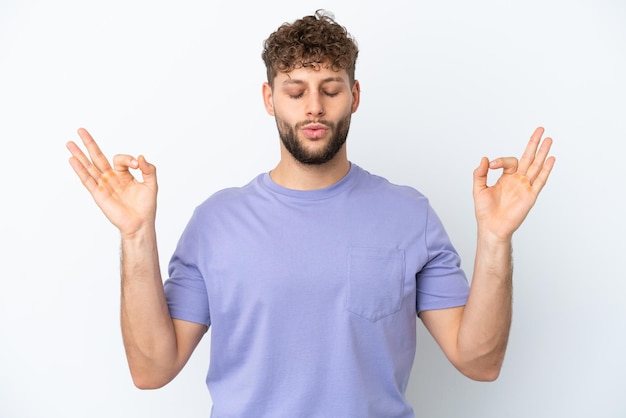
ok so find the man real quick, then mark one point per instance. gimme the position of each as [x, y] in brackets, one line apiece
[311, 276]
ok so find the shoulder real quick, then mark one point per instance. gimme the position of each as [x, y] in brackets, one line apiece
[379, 187]
[227, 199]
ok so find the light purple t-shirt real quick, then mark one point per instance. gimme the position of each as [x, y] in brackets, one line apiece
[312, 296]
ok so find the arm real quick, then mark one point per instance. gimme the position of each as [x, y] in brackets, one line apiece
[157, 347]
[474, 337]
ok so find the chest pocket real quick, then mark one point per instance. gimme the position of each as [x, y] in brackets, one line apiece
[375, 282]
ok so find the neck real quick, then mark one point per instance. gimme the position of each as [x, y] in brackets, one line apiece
[292, 174]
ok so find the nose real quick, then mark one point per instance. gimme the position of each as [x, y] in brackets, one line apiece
[315, 105]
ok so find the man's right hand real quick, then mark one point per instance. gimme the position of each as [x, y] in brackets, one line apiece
[128, 203]
[157, 347]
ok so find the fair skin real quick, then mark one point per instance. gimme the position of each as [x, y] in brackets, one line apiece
[311, 94]
[473, 337]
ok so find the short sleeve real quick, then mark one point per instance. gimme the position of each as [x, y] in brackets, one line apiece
[185, 289]
[441, 283]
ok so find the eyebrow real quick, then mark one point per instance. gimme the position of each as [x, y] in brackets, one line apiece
[326, 80]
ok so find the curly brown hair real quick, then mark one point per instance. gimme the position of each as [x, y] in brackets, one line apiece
[309, 42]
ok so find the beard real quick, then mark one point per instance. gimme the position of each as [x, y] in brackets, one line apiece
[289, 137]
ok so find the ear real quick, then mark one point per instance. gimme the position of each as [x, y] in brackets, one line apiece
[356, 95]
[268, 99]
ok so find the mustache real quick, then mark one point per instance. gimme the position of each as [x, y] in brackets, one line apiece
[324, 122]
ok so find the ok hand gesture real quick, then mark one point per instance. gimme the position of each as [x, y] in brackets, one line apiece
[128, 203]
[501, 208]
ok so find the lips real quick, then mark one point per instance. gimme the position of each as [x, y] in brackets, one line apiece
[314, 131]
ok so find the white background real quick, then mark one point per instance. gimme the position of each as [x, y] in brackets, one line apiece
[444, 83]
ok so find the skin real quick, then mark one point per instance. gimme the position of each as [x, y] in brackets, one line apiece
[157, 347]
[310, 94]
[473, 337]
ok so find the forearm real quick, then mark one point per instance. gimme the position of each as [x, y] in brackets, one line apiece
[479, 342]
[485, 325]
[147, 328]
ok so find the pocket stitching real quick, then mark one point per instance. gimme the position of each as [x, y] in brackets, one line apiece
[395, 266]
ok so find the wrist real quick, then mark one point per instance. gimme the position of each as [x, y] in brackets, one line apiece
[493, 238]
[141, 233]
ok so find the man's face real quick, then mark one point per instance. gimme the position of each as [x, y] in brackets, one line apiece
[312, 107]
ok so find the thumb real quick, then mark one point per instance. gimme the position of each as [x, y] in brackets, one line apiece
[480, 175]
[148, 171]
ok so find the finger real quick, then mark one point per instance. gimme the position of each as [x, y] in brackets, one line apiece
[77, 152]
[542, 177]
[85, 177]
[96, 155]
[508, 164]
[480, 175]
[148, 171]
[123, 162]
[540, 158]
[531, 149]
[78, 157]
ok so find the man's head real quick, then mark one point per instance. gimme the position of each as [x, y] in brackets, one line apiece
[311, 90]
[310, 42]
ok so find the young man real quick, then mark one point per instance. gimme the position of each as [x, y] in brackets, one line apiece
[312, 275]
